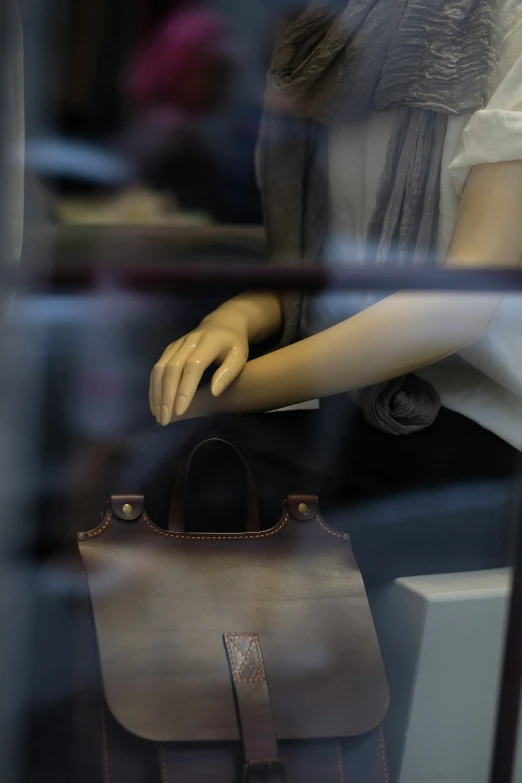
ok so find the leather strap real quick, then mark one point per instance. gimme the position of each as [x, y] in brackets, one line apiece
[254, 710]
[176, 522]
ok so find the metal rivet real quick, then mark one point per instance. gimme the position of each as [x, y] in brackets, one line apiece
[82, 536]
[346, 537]
[127, 509]
[302, 508]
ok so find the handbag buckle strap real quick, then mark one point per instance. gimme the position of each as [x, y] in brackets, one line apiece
[272, 771]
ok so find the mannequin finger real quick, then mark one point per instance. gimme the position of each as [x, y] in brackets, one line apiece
[167, 373]
[228, 372]
[206, 353]
[151, 396]
[172, 376]
[156, 376]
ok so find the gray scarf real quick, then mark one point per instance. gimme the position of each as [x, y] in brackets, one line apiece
[336, 62]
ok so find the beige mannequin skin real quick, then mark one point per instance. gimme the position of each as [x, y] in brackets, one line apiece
[402, 333]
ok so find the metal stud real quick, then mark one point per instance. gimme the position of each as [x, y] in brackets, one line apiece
[302, 508]
[127, 509]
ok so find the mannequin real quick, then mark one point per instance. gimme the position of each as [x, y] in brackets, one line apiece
[399, 334]
[415, 172]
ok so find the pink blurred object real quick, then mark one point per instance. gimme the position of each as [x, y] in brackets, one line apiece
[177, 66]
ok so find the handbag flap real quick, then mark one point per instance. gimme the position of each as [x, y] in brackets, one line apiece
[162, 602]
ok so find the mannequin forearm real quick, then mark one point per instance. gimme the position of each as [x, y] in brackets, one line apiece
[403, 332]
[259, 314]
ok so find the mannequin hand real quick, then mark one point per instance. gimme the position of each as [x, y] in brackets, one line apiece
[175, 378]
[222, 338]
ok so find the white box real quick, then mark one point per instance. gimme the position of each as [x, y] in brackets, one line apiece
[442, 639]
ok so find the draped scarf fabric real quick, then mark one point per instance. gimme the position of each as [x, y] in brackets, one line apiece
[336, 62]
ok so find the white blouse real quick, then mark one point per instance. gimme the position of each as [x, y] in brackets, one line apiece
[483, 381]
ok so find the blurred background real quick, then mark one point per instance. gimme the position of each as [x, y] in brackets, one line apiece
[146, 111]
[141, 119]
[141, 123]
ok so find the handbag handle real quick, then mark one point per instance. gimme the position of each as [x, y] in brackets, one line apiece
[177, 498]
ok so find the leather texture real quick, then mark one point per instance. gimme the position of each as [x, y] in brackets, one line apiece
[254, 711]
[162, 601]
[120, 757]
[127, 759]
[176, 508]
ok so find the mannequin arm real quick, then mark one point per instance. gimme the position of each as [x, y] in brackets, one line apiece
[402, 332]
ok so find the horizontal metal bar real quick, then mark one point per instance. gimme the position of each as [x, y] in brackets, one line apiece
[205, 276]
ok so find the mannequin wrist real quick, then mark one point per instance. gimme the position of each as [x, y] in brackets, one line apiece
[256, 316]
[230, 316]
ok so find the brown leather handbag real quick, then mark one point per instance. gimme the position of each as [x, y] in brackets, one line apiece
[227, 657]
